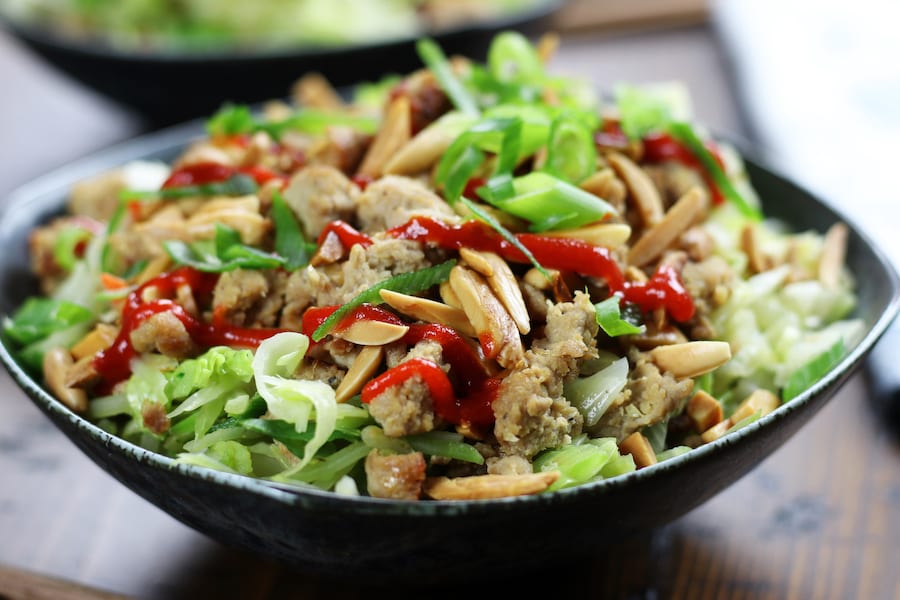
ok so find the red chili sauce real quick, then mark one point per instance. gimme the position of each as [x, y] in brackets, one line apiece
[114, 363]
[210, 172]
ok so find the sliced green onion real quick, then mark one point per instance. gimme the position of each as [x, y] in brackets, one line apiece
[224, 253]
[813, 371]
[610, 320]
[507, 235]
[467, 153]
[641, 111]
[405, 283]
[289, 240]
[512, 59]
[37, 318]
[238, 119]
[571, 151]
[684, 133]
[434, 58]
[236, 185]
[67, 243]
[550, 203]
[445, 443]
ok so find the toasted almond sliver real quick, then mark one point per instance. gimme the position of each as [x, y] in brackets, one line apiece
[57, 362]
[482, 487]
[750, 244]
[393, 135]
[610, 235]
[496, 329]
[449, 296]
[364, 366]
[704, 411]
[477, 260]
[547, 45]
[834, 249]
[372, 333]
[420, 153]
[680, 217]
[761, 400]
[100, 338]
[429, 311]
[640, 450]
[716, 431]
[691, 359]
[504, 284]
[315, 91]
[644, 193]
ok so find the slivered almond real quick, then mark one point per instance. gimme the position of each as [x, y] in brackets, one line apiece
[655, 336]
[691, 359]
[372, 333]
[477, 261]
[610, 235]
[704, 411]
[750, 244]
[429, 311]
[760, 400]
[834, 249]
[716, 431]
[364, 366]
[640, 450]
[680, 217]
[315, 91]
[504, 284]
[393, 134]
[100, 338]
[497, 331]
[547, 45]
[605, 184]
[536, 279]
[57, 362]
[449, 296]
[644, 193]
[420, 153]
[483, 487]
[156, 267]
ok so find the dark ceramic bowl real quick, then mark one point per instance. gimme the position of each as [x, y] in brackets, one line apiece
[375, 538]
[169, 87]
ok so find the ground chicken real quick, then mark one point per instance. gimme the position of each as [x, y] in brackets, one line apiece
[648, 398]
[393, 200]
[395, 476]
[406, 408]
[164, 333]
[249, 298]
[320, 194]
[531, 412]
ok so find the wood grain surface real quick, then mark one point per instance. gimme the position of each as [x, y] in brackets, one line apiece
[820, 518]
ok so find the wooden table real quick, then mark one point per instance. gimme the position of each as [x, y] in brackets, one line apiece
[819, 519]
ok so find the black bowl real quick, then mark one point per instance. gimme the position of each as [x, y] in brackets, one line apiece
[169, 87]
[379, 539]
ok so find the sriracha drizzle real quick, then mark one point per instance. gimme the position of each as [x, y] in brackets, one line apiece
[114, 363]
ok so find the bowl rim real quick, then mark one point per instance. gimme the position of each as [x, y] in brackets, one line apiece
[177, 137]
[96, 46]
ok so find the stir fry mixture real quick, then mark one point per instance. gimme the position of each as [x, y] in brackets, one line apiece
[199, 25]
[479, 281]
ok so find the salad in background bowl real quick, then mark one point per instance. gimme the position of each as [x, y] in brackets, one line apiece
[176, 61]
[476, 285]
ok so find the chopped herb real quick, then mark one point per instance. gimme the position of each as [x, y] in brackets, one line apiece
[224, 253]
[238, 119]
[289, 240]
[433, 57]
[486, 217]
[610, 320]
[685, 134]
[236, 185]
[39, 317]
[405, 283]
